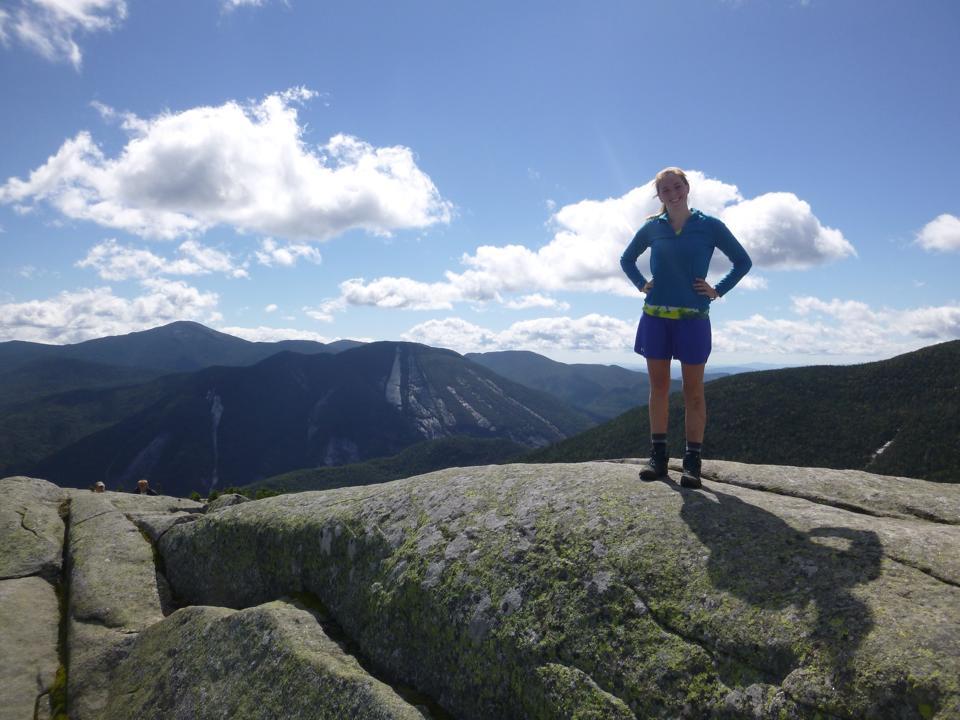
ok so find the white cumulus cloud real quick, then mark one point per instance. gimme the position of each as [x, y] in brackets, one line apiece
[941, 234]
[749, 282]
[271, 253]
[75, 316]
[779, 230]
[534, 301]
[400, 293]
[270, 334]
[814, 327]
[51, 27]
[271, 308]
[591, 332]
[840, 327]
[114, 261]
[232, 4]
[241, 165]
[325, 310]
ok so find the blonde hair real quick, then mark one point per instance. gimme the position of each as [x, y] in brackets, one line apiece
[656, 184]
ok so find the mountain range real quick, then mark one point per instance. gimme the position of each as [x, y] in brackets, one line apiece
[176, 347]
[234, 425]
[116, 409]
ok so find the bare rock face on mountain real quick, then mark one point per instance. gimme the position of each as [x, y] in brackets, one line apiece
[519, 591]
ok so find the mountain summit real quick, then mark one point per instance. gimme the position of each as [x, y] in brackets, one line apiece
[176, 347]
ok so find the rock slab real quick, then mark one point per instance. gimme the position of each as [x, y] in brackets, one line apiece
[548, 591]
[267, 662]
[114, 594]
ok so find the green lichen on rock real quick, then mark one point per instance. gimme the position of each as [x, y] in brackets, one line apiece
[58, 695]
[562, 691]
[466, 584]
[267, 662]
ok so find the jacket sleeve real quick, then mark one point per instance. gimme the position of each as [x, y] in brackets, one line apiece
[628, 261]
[731, 247]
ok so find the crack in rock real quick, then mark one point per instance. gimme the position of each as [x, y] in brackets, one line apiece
[929, 572]
[23, 524]
[913, 514]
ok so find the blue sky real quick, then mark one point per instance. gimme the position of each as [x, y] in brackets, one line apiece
[467, 174]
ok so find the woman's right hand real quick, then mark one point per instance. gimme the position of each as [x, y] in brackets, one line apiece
[648, 287]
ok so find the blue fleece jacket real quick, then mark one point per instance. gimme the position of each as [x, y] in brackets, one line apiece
[676, 260]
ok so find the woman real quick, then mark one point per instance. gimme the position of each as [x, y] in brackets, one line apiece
[676, 313]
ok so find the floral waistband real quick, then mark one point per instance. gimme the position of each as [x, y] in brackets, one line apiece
[675, 313]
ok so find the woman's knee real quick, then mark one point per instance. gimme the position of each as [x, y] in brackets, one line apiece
[658, 374]
[660, 388]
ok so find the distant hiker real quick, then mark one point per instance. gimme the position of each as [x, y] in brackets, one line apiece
[143, 488]
[676, 313]
[99, 487]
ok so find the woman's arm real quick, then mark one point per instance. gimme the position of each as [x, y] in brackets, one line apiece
[628, 261]
[731, 247]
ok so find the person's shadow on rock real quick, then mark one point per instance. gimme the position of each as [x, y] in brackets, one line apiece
[762, 560]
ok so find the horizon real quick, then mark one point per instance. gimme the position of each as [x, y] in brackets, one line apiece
[467, 177]
[637, 365]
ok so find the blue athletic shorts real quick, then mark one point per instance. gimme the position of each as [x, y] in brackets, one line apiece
[687, 339]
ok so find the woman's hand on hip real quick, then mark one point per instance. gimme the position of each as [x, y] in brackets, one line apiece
[703, 288]
[648, 287]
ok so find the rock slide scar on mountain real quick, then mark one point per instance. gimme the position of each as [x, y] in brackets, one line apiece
[675, 322]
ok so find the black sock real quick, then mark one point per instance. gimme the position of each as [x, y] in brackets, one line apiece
[659, 441]
[694, 447]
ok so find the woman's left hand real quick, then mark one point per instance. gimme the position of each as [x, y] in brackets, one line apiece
[703, 288]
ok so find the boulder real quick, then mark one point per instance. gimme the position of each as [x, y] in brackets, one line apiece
[854, 490]
[152, 514]
[29, 628]
[555, 591]
[225, 501]
[114, 594]
[31, 531]
[153, 525]
[267, 662]
[94, 653]
[132, 503]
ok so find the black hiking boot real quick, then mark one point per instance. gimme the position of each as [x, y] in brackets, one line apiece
[691, 471]
[656, 466]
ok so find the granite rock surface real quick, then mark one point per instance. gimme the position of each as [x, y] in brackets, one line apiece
[516, 591]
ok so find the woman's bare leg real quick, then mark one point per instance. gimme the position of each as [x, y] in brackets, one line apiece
[659, 405]
[694, 402]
